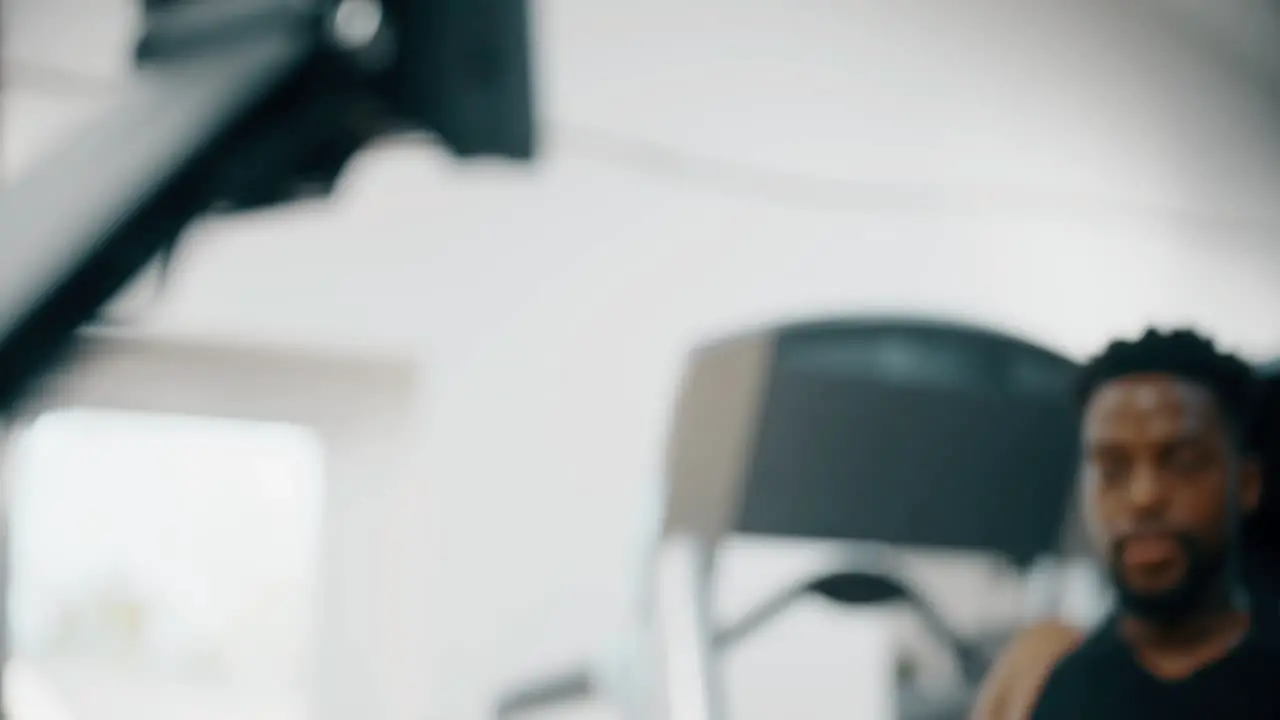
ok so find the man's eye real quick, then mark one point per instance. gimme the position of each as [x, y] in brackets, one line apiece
[1112, 472]
[1186, 462]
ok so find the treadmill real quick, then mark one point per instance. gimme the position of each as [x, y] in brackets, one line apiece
[887, 432]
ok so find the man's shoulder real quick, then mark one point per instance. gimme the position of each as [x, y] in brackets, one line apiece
[1048, 637]
[1018, 675]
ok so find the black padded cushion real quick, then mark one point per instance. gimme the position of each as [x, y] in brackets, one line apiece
[923, 434]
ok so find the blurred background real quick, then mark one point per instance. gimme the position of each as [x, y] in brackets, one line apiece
[379, 456]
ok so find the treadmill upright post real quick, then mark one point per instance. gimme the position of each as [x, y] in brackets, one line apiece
[691, 674]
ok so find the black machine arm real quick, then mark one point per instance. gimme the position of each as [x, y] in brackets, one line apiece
[78, 226]
[241, 104]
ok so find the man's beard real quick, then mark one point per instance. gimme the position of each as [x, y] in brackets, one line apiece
[1204, 570]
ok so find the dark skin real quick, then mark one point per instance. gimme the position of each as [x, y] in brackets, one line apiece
[1159, 460]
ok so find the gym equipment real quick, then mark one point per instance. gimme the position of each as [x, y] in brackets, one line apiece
[864, 588]
[876, 430]
[240, 104]
[860, 584]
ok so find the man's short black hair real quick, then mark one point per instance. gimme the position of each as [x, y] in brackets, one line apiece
[1187, 355]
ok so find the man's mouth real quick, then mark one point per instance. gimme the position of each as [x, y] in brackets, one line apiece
[1149, 550]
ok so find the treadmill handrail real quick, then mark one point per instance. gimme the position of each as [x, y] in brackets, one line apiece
[581, 683]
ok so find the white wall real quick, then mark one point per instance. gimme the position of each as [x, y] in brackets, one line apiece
[1065, 170]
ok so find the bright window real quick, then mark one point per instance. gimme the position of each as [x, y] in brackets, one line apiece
[163, 567]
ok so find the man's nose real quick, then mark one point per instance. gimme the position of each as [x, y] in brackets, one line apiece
[1146, 489]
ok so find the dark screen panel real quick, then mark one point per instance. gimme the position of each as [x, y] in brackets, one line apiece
[925, 435]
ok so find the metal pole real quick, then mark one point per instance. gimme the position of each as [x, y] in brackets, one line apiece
[7, 436]
[693, 684]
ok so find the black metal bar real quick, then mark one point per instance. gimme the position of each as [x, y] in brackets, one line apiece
[187, 27]
[561, 688]
[760, 616]
[76, 228]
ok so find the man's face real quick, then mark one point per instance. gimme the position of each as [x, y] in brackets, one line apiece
[1158, 468]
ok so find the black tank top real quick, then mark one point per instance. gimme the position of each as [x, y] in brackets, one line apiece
[1102, 680]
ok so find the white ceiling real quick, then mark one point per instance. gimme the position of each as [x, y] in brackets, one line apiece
[1125, 112]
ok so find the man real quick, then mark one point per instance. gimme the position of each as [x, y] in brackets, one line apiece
[1167, 474]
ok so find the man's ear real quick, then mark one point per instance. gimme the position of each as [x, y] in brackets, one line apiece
[1250, 485]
